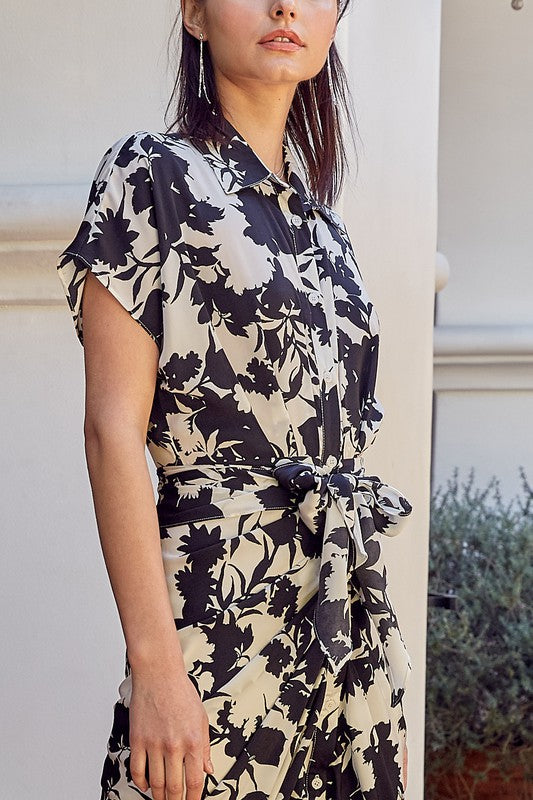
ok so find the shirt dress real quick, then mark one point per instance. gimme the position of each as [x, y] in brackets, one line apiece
[264, 402]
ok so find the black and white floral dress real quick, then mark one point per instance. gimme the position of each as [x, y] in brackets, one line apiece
[270, 527]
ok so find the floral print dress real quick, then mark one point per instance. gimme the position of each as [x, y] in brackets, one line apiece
[270, 527]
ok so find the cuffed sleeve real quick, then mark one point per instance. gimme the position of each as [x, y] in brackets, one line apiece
[118, 241]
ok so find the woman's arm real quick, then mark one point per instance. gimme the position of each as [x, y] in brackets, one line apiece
[120, 367]
[167, 720]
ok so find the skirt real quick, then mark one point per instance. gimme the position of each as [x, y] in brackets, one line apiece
[282, 725]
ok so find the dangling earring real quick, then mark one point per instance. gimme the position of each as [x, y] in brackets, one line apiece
[201, 82]
[330, 81]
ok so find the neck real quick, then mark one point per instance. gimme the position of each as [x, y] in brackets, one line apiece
[260, 120]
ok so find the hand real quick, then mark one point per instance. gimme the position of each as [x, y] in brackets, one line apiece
[168, 724]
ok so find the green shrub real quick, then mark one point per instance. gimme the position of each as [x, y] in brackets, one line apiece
[479, 656]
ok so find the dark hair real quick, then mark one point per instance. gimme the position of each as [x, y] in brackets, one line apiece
[314, 123]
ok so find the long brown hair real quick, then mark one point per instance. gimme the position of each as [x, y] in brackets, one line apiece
[314, 124]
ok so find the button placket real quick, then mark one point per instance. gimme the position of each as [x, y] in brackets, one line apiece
[323, 353]
[324, 746]
[328, 376]
[331, 375]
[296, 220]
[308, 276]
[295, 251]
[317, 782]
[333, 691]
[311, 754]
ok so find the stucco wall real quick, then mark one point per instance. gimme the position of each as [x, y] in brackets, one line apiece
[484, 333]
[391, 211]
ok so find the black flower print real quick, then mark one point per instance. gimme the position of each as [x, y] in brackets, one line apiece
[260, 378]
[270, 528]
[178, 369]
[283, 598]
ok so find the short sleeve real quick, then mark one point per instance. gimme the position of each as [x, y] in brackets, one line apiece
[117, 239]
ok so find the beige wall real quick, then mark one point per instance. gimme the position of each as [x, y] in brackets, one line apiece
[484, 333]
[76, 78]
[391, 212]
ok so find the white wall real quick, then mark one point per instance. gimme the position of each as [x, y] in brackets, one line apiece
[391, 212]
[484, 335]
[491, 412]
[75, 79]
[73, 75]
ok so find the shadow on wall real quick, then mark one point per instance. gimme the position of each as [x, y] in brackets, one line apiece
[479, 708]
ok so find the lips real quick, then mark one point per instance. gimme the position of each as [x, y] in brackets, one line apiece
[289, 34]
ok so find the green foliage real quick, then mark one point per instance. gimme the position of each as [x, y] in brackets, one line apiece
[479, 657]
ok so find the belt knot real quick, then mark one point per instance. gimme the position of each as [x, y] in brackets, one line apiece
[297, 477]
[349, 509]
[315, 486]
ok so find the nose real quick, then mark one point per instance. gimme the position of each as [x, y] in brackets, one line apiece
[283, 8]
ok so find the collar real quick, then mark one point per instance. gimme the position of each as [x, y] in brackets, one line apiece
[237, 166]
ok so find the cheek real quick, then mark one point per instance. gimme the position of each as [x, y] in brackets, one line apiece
[321, 23]
[230, 21]
[229, 25]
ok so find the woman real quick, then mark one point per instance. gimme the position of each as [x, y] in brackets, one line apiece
[263, 658]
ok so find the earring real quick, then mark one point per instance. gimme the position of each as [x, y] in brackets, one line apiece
[330, 81]
[201, 82]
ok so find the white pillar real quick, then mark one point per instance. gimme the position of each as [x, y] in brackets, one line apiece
[392, 55]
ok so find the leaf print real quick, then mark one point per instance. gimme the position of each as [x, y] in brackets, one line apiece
[113, 247]
[141, 198]
[278, 655]
[381, 754]
[236, 741]
[266, 746]
[283, 599]
[260, 378]
[180, 369]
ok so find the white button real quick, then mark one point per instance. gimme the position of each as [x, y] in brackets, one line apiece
[316, 783]
[329, 377]
[331, 462]
[330, 704]
[296, 220]
[314, 297]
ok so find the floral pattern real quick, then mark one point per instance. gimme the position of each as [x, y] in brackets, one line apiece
[265, 401]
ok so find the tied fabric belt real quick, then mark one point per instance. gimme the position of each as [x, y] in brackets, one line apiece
[348, 509]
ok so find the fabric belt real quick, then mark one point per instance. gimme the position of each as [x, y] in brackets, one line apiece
[343, 505]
